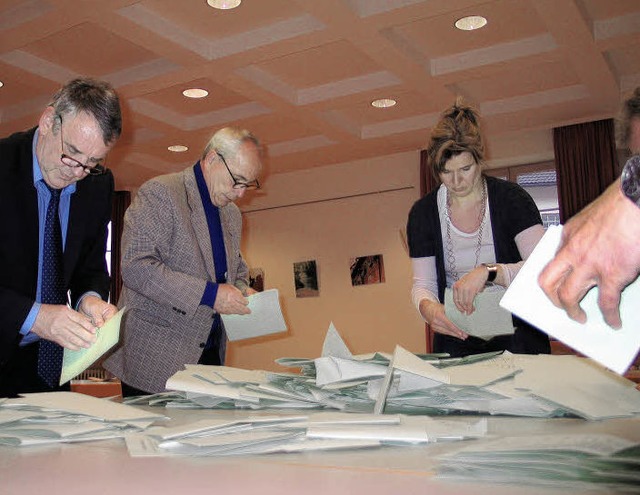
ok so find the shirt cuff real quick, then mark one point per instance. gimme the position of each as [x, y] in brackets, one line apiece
[25, 330]
[210, 294]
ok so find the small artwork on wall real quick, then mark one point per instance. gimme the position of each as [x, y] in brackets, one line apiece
[256, 279]
[305, 277]
[367, 270]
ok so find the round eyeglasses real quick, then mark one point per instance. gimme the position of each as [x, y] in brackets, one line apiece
[97, 169]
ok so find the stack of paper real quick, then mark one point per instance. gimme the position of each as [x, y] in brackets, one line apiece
[494, 383]
[282, 433]
[576, 462]
[56, 417]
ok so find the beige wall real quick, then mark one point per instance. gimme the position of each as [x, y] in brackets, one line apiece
[354, 209]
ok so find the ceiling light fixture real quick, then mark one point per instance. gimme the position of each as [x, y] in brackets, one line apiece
[224, 4]
[383, 103]
[1, 84]
[471, 22]
[178, 148]
[195, 93]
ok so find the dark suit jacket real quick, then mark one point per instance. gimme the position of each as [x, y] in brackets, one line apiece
[84, 258]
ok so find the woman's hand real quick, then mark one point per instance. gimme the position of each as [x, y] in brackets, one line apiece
[434, 315]
[466, 289]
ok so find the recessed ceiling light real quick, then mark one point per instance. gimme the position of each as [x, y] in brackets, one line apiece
[177, 148]
[1, 84]
[224, 4]
[383, 103]
[195, 93]
[471, 22]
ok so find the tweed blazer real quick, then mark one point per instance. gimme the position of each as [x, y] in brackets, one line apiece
[167, 260]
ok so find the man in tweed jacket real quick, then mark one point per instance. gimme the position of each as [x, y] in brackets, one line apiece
[182, 266]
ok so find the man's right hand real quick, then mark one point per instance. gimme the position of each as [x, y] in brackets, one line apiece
[64, 326]
[230, 301]
[600, 246]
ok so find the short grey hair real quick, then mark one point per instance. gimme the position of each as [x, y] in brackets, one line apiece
[227, 142]
[97, 98]
[630, 111]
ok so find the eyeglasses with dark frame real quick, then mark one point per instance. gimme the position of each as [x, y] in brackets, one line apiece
[97, 169]
[237, 184]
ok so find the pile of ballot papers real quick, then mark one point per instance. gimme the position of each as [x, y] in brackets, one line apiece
[579, 462]
[286, 433]
[496, 383]
[65, 417]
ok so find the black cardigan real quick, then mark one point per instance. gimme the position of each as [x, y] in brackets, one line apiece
[512, 210]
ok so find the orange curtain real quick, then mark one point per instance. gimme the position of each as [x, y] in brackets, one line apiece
[586, 163]
[121, 201]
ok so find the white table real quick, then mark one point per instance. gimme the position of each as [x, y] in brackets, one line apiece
[105, 467]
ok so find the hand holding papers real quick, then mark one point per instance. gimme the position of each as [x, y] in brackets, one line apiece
[265, 318]
[488, 319]
[612, 348]
[75, 362]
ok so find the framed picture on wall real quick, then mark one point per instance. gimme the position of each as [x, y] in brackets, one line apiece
[256, 279]
[305, 278]
[367, 270]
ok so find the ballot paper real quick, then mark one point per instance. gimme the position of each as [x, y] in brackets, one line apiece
[334, 346]
[467, 374]
[615, 349]
[265, 317]
[67, 417]
[75, 362]
[406, 383]
[586, 389]
[258, 434]
[488, 318]
[513, 384]
[579, 463]
[75, 403]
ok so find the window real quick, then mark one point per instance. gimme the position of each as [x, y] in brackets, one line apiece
[540, 181]
[108, 255]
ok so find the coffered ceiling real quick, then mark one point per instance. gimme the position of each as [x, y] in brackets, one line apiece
[301, 74]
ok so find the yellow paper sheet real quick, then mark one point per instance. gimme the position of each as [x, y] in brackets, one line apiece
[75, 362]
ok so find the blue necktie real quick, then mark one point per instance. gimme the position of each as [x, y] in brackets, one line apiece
[53, 289]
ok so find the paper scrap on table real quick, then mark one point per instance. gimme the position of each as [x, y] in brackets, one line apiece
[75, 362]
[265, 317]
[334, 346]
[488, 318]
[615, 349]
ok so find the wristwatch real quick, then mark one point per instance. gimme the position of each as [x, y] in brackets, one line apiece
[630, 179]
[493, 271]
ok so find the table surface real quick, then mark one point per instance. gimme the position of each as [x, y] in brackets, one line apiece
[106, 467]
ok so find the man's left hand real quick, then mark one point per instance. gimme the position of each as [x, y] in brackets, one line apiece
[98, 310]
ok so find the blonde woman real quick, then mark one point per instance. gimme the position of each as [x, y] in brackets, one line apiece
[472, 230]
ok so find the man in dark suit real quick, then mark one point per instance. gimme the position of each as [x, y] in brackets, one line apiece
[62, 161]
